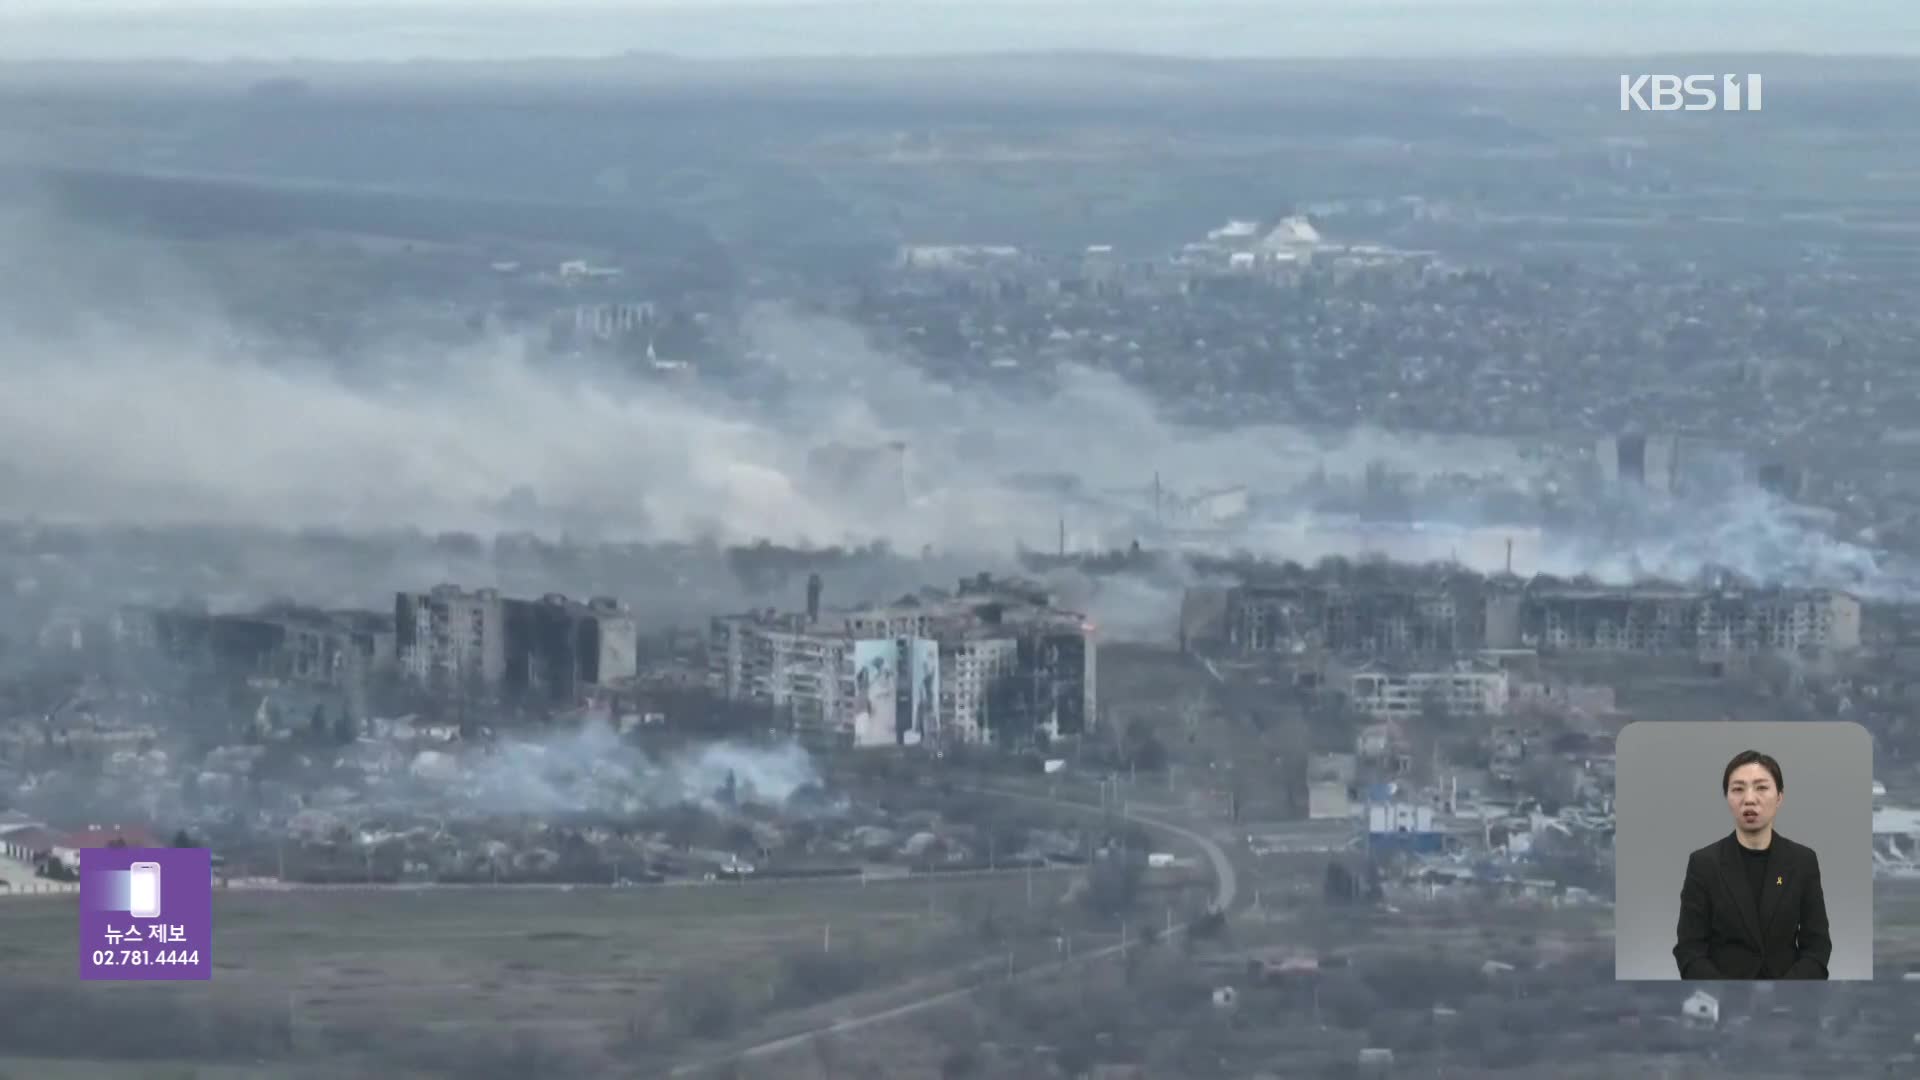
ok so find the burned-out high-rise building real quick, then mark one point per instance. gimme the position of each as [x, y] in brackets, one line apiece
[448, 636]
[1640, 462]
[557, 649]
[1344, 617]
[1464, 613]
[284, 642]
[551, 648]
[1562, 617]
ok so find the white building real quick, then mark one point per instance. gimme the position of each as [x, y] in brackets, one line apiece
[1399, 818]
[1467, 688]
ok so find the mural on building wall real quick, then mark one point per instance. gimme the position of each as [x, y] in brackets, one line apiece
[875, 686]
[926, 688]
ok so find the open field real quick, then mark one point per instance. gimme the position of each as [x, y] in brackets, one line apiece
[587, 968]
[31, 1068]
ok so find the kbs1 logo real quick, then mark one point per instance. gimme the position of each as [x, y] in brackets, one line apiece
[1689, 93]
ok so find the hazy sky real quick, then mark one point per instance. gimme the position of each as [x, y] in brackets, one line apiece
[475, 29]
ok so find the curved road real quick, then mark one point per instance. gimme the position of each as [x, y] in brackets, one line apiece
[1226, 889]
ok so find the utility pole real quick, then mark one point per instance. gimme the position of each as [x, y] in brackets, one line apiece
[826, 939]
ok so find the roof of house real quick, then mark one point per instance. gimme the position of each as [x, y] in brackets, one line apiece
[97, 836]
[34, 838]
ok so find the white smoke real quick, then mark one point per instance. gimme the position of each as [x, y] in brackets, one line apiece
[155, 410]
[160, 412]
[593, 770]
[1745, 531]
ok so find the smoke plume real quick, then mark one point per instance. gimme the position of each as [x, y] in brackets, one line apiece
[128, 396]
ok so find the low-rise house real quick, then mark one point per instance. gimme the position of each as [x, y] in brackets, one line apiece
[28, 843]
[1464, 688]
[1701, 1009]
[68, 847]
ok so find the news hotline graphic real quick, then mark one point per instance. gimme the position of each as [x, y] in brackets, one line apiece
[146, 914]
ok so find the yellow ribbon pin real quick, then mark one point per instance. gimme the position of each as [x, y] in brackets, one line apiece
[1779, 881]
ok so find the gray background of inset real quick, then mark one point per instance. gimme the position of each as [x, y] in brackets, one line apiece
[1668, 802]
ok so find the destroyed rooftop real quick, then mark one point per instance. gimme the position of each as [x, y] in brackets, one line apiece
[1371, 575]
[984, 601]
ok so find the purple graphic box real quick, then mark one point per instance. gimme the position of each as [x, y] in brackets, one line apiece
[146, 914]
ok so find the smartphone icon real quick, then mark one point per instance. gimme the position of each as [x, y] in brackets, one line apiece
[144, 894]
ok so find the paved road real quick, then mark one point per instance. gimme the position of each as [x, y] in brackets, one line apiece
[1226, 890]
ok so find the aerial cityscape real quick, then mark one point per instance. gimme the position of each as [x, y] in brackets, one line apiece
[1046, 564]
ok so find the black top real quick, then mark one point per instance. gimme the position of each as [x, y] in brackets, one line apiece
[1726, 932]
[1756, 864]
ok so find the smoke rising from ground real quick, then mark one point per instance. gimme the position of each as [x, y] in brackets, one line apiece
[591, 771]
[153, 409]
[595, 771]
[167, 429]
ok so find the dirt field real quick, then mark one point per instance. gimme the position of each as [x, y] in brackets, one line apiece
[583, 967]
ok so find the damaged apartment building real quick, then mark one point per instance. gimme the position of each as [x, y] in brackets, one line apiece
[552, 649]
[992, 662]
[1456, 612]
[1447, 615]
[284, 642]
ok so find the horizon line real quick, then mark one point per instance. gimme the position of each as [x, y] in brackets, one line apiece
[1467, 55]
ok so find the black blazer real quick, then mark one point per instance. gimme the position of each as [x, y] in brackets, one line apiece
[1722, 936]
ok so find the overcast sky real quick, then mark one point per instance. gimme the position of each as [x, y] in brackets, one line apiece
[484, 29]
